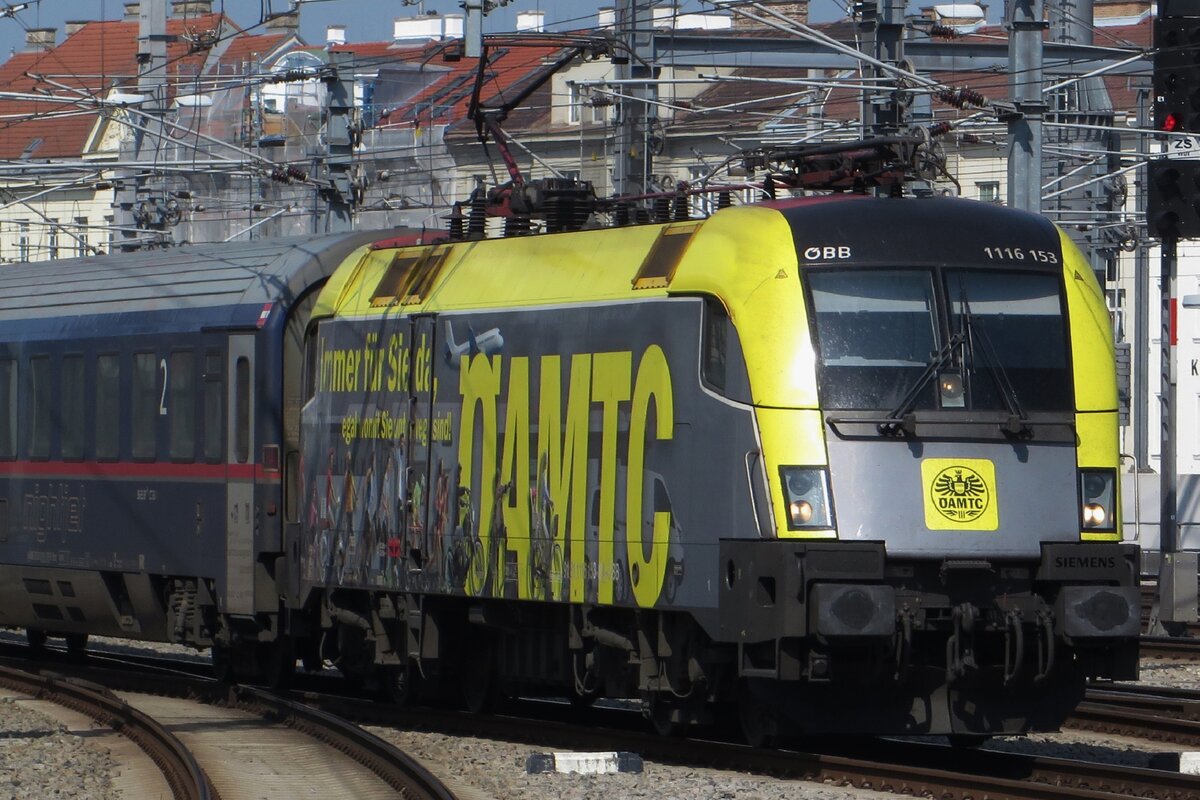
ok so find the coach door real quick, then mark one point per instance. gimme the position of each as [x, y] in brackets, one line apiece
[239, 537]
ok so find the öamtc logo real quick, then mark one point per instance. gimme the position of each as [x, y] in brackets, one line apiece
[960, 494]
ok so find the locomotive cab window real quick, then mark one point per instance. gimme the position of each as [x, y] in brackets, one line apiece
[875, 331]
[906, 340]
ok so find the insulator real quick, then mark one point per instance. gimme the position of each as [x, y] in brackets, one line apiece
[961, 98]
[477, 220]
[682, 208]
[457, 222]
[621, 214]
[724, 199]
[516, 225]
[943, 32]
[939, 129]
[769, 187]
[662, 208]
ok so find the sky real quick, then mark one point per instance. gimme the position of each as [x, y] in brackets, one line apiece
[365, 20]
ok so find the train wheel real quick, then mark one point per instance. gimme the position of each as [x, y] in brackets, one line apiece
[76, 646]
[753, 718]
[310, 655]
[477, 684]
[397, 680]
[36, 637]
[277, 662]
[661, 716]
[222, 663]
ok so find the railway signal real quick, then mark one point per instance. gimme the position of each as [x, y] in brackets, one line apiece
[1177, 67]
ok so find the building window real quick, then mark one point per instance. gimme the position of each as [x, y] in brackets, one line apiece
[22, 240]
[574, 102]
[82, 247]
[110, 223]
[600, 106]
[52, 239]
[988, 191]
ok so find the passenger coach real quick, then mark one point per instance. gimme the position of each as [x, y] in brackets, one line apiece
[149, 438]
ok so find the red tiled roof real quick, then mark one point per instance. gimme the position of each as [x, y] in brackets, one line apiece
[251, 48]
[98, 56]
[509, 68]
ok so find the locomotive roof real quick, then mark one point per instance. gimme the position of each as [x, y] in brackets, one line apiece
[202, 278]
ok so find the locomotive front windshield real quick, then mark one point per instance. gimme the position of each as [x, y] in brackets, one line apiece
[910, 339]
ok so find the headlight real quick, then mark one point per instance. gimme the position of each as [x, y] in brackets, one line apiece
[1097, 496]
[806, 495]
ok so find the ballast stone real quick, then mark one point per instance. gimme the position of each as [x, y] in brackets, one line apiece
[584, 763]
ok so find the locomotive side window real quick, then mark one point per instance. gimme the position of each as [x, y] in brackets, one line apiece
[108, 407]
[181, 406]
[214, 390]
[145, 405]
[242, 410]
[875, 333]
[722, 365]
[8, 409]
[73, 391]
[40, 406]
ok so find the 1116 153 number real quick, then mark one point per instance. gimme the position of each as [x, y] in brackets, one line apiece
[1021, 254]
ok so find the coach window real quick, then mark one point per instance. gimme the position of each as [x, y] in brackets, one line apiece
[242, 412]
[72, 394]
[108, 407]
[145, 405]
[214, 391]
[181, 406]
[39, 404]
[8, 409]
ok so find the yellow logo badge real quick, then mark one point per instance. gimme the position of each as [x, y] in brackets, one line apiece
[960, 494]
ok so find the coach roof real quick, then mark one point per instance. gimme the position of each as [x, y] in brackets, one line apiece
[240, 276]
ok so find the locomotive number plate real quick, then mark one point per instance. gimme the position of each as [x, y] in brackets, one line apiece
[960, 494]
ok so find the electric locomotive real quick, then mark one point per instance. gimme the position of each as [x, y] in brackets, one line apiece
[837, 464]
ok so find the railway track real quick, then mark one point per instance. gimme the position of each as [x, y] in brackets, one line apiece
[902, 767]
[153, 693]
[179, 767]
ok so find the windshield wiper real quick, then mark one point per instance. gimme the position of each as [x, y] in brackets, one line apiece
[901, 419]
[1017, 422]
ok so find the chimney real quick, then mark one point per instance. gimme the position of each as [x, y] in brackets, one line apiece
[453, 26]
[284, 22]
[419, 28]
[606, 18]
[531, 21]
[793, 9]
[335, 35]
[40, 38]
[73, 26]
[132, 10]
[181, 9]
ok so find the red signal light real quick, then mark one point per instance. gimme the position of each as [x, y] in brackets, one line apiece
[1171, 122]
